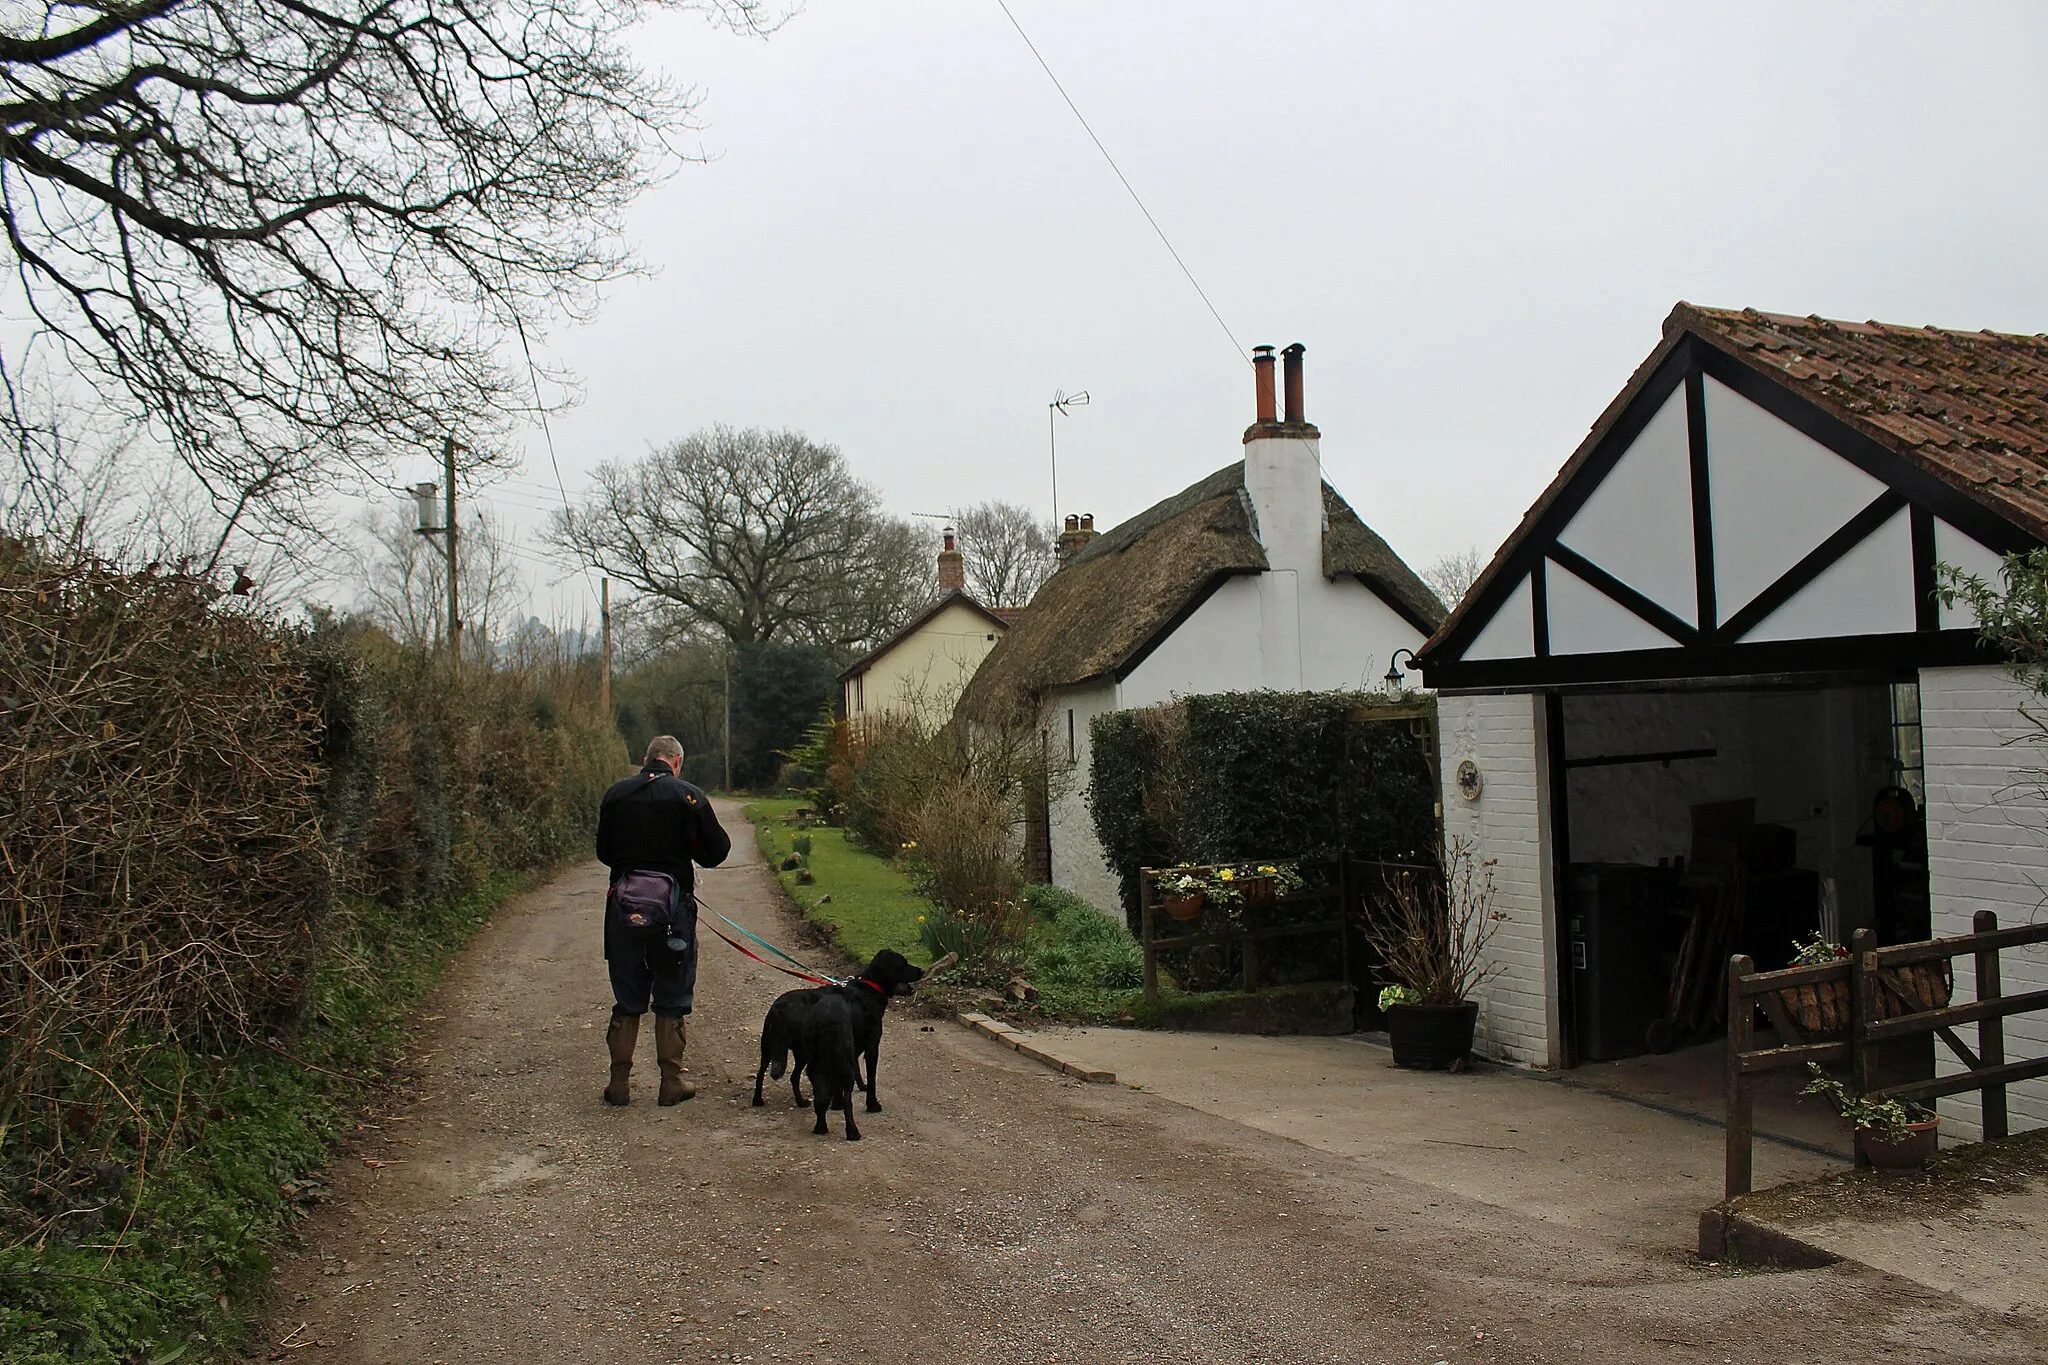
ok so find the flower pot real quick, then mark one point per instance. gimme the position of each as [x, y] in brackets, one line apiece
[1909, 1151]
[1183, 907]
[1431, 1037]
[1258, 890]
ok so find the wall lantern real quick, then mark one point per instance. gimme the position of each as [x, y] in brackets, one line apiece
[1396, 684]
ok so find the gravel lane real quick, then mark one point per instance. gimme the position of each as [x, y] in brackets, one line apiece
[994, 1212]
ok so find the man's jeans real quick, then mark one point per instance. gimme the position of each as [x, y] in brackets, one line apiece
[652, 975]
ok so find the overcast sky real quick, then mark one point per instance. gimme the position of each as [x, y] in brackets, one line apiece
[1474, 216]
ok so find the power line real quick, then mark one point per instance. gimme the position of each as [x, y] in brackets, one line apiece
[1004, 6]
[547, 431]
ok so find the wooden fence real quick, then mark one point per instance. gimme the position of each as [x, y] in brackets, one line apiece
[1845, 1011]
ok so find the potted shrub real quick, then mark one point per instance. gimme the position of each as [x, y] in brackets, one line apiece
[1431, 930]
[1890, 1135]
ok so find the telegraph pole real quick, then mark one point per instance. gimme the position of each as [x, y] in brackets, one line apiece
[728, 716]
[604, 612]
[454, 579]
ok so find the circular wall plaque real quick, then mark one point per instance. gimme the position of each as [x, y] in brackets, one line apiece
[1469, 781]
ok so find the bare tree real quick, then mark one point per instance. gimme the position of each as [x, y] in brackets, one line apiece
[288, 239]
[755, 535]
[404, 581]
[1009, 552]
[1451, 577]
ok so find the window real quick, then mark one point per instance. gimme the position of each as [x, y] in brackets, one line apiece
[1909, 763]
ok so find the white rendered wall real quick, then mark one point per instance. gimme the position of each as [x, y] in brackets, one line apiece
[1215, 650]
[1277, 630]
[1510, 824]
[1077, 864]
[1284, 478]
[1987, 845]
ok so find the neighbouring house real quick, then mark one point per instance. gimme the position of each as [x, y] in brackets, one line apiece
[920, 671]
[1719, 627]
[1258, 576]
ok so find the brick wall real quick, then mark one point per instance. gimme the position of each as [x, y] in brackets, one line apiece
[1987, 843]
[1510, 824]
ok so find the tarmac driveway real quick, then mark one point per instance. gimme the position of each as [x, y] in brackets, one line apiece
[995, 1212]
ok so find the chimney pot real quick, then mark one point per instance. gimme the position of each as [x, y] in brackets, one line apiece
[952, 566]
[1088, 521]
[1292, 356]
[1262, 382]
[1073, 522]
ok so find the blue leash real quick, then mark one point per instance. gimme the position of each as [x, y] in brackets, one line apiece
[741, 928]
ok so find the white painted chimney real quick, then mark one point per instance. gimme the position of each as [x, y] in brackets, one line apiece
[1283, 471]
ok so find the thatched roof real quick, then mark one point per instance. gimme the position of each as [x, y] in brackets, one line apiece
[1133, 585]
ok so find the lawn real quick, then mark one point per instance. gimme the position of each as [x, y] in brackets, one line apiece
[871, 905]
[1083, 964]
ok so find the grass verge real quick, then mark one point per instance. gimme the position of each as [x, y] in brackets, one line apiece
[1083, 964]
[860, 899]
[174, 1265]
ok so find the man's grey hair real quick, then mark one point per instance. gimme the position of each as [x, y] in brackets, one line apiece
[664, 746]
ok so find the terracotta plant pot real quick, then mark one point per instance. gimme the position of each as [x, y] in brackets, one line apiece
[1183, 907]
[1432, 1037]
[1909, 1151]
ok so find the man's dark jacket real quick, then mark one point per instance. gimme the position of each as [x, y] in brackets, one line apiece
[656, 822]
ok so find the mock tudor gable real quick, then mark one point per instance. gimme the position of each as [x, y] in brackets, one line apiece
[1768, 495]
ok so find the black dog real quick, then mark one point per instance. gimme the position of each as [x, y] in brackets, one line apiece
[787, 1028]
[827, 1047]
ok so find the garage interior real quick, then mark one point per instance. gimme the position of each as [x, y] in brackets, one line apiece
[1698, 823]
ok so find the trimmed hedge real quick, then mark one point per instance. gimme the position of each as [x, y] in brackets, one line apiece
[1239, 775]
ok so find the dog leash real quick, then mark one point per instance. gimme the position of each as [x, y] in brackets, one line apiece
[796, 969]
[791, 971]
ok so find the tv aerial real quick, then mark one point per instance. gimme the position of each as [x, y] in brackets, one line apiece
[1061, 402]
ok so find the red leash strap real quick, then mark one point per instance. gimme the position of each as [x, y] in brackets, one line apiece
[802, 976]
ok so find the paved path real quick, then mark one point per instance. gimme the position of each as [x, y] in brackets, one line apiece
[1626, 1174]
[995, 1213]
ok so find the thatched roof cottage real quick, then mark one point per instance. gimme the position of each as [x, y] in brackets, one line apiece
[1258, 576]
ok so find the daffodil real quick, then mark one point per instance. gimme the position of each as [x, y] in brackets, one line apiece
[1228, 874]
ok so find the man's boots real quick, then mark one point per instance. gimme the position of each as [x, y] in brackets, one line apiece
[620, 1035]
[668, 1050]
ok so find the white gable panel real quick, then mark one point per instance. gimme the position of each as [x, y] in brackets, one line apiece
[1511, 634]
[1868, 591]
[1638, 523]
[1584, 620]
[1959, 551]
[1776, 495]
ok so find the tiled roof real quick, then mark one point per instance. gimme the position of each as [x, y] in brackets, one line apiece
[1971, 408]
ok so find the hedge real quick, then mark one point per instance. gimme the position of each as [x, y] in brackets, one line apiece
[229, 840]
[1240, 775]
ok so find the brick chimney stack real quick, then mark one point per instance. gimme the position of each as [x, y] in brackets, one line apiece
[952, 567]
[1074, 538]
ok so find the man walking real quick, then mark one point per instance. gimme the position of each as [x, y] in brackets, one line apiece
[650, 828]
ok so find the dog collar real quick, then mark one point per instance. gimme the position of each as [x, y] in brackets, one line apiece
[879, 990]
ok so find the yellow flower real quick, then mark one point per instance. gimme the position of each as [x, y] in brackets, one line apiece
[911, 844]
[1228, 874]
[920, 919]
[1267, 871]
